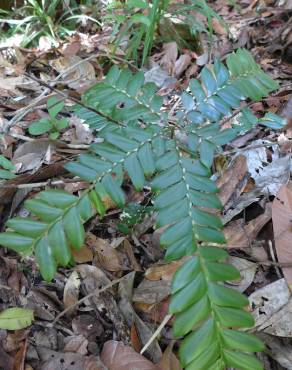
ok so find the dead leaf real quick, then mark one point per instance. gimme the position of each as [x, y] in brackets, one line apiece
[241, 235]
[116, 356]
[164, 271]
[59, 361]
[169, 361]
[170, 53]
[6, 361]
[135, 340]
[247, 271]
[83, 255]
[88, 327]
[71, 292]
[70, 49]
[269, 169]
[218, 28]
[80, 75]
[76, 344]
[268, 300]
[80, 132]
[151, 291]
[31, 155]
[181, 64]
[107, 256]
[144, 332]
[19, 358]
[282, 218]
[232, 179]
[131, 256]
[278, 350]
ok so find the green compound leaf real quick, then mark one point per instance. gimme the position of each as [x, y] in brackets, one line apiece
[137, 144]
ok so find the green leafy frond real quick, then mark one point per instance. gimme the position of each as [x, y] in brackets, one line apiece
[61, 215]
[221, 89]
[175, 161]
[125, 97]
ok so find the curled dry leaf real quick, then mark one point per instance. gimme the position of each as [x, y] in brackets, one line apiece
[116, 356]
[181, 64]
[247, 272]
[169, 360]
[71, 291]
[282, 217]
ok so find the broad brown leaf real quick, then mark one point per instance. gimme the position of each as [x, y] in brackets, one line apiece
[116, 356]
[282, 217]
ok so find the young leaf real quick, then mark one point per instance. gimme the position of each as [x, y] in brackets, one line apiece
[40, 127]
[6, 164]
[15, 318]
[54, 106]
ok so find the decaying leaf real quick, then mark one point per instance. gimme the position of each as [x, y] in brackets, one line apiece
[30, 155]
[170, 53]
[282, 223]
[80, 76]
[272, 309]
[232, 179]
[152, 291]
[269, 173]
[247, 272]
[169, 360]
[71, 291]
[241, 235]
[279, 350]
[164, 271]
[116, 356]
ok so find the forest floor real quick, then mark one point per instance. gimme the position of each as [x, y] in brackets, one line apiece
[74, 329]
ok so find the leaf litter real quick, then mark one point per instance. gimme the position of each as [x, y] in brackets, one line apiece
[106, 331]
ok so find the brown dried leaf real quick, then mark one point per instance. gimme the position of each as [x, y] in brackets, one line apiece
[76, 344]
[107, 256]
[163, 272]
[232, 178]
[282, 217]
[151, 291]
[84, 255]
[170, 53]
[218, 28]
[116, 356]
[240, 235]
[71, 291]
[31, 155]
[169, 361]
[181, 64]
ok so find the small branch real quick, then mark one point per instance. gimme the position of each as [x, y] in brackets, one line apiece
[156, 333]
[90, 295]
